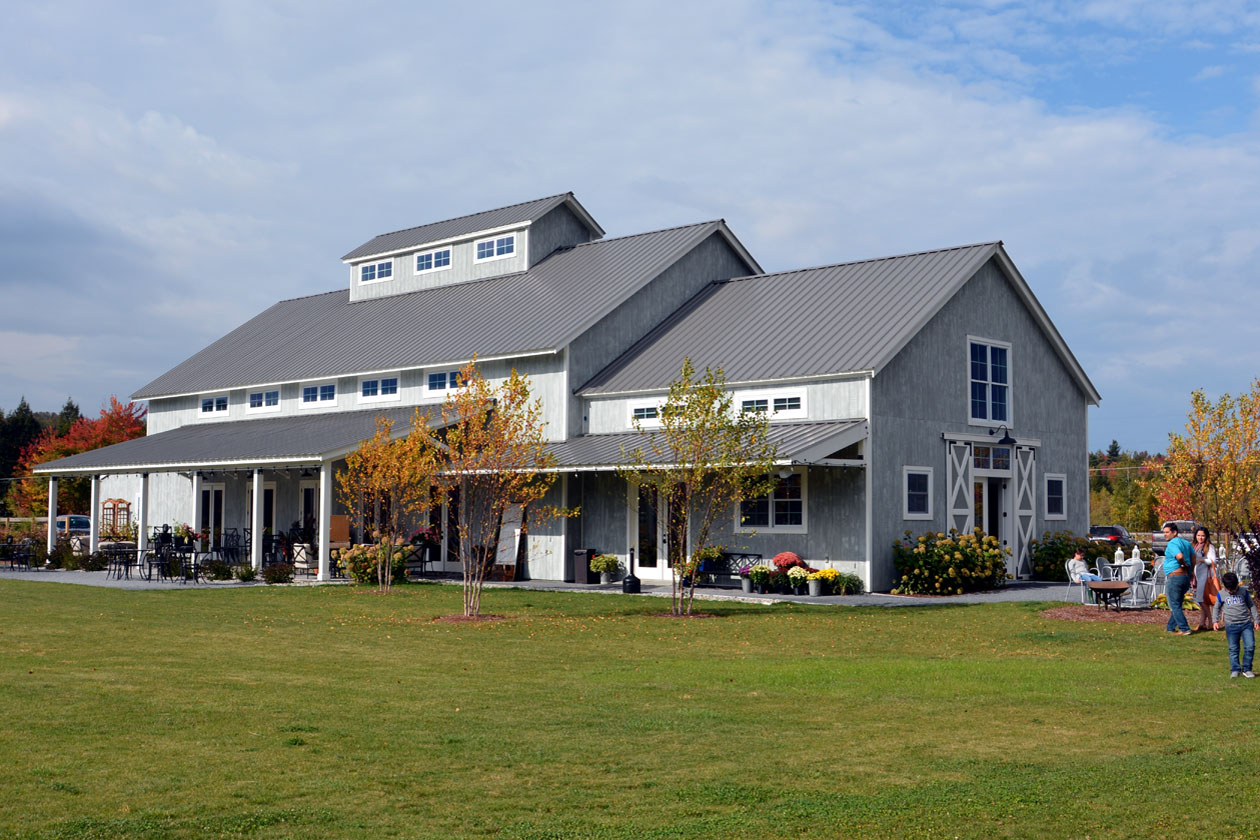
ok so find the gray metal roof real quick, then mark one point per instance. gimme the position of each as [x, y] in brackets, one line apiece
[794, 442]
[541, 309]
[276, 440]
[464, 225]
[835, 319]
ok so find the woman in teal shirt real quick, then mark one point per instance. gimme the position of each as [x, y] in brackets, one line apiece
[1176, 554]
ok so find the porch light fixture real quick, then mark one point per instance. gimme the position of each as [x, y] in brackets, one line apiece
[785, 473]
[1006, 439]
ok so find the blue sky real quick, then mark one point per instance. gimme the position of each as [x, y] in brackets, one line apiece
[170, 171]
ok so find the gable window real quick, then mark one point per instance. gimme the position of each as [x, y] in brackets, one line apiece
[916, 493]
[214, 405]
[433, 260]
[263, 401]
[378, 388]
[782, 510]
[319, 395]
[989, 378]
[780, 405]
[496, 248]
[1056, 496]
[376, 271]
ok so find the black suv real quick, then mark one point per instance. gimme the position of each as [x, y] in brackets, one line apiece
[1115, 534]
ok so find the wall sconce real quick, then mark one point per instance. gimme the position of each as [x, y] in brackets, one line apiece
[1006, 439]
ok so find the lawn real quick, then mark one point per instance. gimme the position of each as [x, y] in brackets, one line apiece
[321, 712]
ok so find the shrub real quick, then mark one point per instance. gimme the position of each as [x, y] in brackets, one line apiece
[1049, 553]
[62, 556]
[359, 563]
[216, 570]
[602, 563]
[848, 584]
[97, 562]
[937, 564]
[1187, 605]
[278, 573]
[245, 573]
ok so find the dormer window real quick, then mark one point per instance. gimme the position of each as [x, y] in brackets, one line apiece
[214, 405]
[645, 414]
[262, 401]
[443, 380]
[378, 388]
[374, 272]
[319, 395]
[433, 260]
[780, 405]
[496, 248]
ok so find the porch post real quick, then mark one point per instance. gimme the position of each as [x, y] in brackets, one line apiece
[94, 516]
[52, 514]
[142, 515]
[256, 522]
[325, 518]
[196, 505]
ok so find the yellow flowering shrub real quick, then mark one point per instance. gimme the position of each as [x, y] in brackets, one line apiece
[941, 564]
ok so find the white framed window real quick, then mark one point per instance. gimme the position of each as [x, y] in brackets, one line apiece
[262, 401]
[433, 261]
[1056, 496]
[780, 405]
[781, 511]
[376, 272]
[318, 395]
[988, 381]
[382, 388]
[916, 493]
[645, 414]
[991, 458]
[495, 248]
[213, 405]
[439, 382]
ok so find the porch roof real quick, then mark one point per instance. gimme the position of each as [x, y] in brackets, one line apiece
[236, 444]
[797, 443]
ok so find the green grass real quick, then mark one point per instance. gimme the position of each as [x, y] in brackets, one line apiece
[320, 712]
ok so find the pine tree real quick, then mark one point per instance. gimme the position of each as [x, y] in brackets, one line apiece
[69, 413]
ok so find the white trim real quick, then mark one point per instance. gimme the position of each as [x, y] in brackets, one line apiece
[1047, 478]
[319, 402]
[1032, 443]
[415, 258]
[742, 383]
[1009, 384]
[264, 408]
[217, 413]
[438, 243]
[644, 422]
[377, 263]
[379, 398]
[738, 398]
[906, 471]
[771, 528]
[494, 240]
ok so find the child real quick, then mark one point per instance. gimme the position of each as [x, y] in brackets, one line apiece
[1079, 569]
[1236, 607]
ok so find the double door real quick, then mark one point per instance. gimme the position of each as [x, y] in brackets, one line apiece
[656, 536]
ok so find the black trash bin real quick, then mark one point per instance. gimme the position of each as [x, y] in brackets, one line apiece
[582, 566]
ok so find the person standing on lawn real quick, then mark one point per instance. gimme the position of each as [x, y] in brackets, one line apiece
[1236, 609]
[1206, 581]
[1178, 563]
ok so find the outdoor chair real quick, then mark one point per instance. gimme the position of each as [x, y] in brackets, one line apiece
[1074, 581]
[1105, 570]
[1132, 572]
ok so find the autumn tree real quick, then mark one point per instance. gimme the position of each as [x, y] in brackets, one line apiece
[703, 460]
[496, 459]
[117, 423]
[388, 482]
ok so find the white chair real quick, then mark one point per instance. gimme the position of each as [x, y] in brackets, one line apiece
[1074, 581]
[1134, 573]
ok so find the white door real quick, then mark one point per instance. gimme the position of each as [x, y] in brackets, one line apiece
[210, 512]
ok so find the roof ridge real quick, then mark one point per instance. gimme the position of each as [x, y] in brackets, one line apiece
[647, 233]
[859, 262]
[344, 289]
[470, 215]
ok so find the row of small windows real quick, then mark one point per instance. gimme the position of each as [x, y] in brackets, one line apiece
[433, 260]
[319, 393]
[386, 387]
[264, 399]
[793, 404]
[502, 246]
[376, 388]
[487, 249]
[779, 404]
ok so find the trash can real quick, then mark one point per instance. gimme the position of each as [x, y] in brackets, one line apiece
[582, 566]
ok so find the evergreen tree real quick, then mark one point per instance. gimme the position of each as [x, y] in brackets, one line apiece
[69, 413]
[1113, 451]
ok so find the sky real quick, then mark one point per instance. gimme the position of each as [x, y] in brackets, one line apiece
[167, 171]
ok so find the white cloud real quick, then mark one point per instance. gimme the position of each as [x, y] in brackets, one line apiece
[1213, 72]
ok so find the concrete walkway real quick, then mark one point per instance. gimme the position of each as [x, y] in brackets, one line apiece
[1013, 591]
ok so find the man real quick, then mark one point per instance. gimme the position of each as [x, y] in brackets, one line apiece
[1177, 565]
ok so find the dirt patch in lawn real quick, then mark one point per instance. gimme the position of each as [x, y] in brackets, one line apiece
[1088, 612]
[460, 618]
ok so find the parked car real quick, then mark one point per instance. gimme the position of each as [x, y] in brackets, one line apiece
[1185, 528]
[1115, 534]
[73, 525]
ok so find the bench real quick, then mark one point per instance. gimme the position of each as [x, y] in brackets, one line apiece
[724, 570]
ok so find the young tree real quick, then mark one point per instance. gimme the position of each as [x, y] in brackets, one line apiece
[496, 459]
[389, 482]
[704, 459]
[117, 423]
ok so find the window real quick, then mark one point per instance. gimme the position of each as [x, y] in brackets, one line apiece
[989, 371]
[787, 404]
[782, 510]
[378, 388]
[991, 457]
[780, 405]
[1056, 496]
[444, 380]
[115, 516]
[319, 395]
[433, 260]
[496, 248]
[213, 405]
[754, 405]
[263, 401]
[917, 493]
[645, 414]
[376, 271]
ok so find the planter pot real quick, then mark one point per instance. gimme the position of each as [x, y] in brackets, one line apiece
[815, 588]
[798, 590]
[759, 588]
[605, 577]
[745, 584]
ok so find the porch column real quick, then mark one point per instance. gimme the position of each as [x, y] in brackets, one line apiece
[325, 518]
[196, 505]
[52, 514]
[256, 523]
[94, 516]
[142, 514]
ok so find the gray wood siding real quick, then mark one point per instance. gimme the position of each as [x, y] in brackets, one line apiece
[924, 392]
[464, 268]
[557, 229]
[617, 331]
[601, 522]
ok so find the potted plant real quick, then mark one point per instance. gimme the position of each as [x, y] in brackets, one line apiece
[797, 577]
[760, 576]
[607, 565]
[745, 582]
[821, 581]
